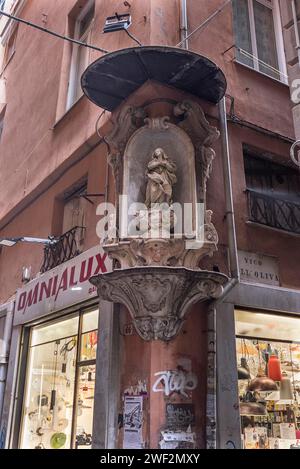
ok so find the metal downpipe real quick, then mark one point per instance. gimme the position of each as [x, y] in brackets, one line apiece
[211, 400]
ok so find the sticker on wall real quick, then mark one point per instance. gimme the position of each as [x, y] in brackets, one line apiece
[133, 422]
[180, 416]
[172, 439]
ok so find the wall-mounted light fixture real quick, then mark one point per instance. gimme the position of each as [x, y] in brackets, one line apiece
[26, 274]
[117, 23]
[120, 23]
[9, 242]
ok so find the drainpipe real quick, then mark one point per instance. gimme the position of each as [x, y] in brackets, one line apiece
[211, 403]
[184, 25]
[4, 351]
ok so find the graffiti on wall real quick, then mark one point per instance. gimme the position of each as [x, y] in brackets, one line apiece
[175, 381]
[133, 422]
[139, 389]
[180, 416]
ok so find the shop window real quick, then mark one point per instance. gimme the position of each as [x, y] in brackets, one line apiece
[60, 384]
[268, 357]
[273, 193]
[80, 54]
[258, 36]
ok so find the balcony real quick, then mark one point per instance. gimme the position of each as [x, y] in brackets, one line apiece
[67, 247]
[274, 212]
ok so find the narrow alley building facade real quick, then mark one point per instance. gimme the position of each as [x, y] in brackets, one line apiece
[95, 364]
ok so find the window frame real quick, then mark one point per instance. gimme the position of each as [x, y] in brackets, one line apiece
[2, 5]
[267, 207]
[78, 192]
[85, 37]
[24, 368]
[273, 5]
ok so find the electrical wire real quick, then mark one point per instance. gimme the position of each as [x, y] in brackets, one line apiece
[133, 37]
[202, 25]
[97, 122]
[102, 137]
[52, 33]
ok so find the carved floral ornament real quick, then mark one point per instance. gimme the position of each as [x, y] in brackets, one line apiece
[161, 160]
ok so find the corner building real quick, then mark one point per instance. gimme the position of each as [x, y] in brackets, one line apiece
[160, 342]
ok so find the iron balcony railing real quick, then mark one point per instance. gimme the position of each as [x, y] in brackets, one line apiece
[67, 247]
[273, 211]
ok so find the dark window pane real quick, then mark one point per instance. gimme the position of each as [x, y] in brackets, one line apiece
[242, 32]
[266, 40]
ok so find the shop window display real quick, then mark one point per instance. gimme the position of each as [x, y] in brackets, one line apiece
[268, 357]
[60, 382]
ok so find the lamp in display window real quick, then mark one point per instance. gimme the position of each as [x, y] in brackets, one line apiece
[286, 391]
[249, 406]
[243, 369]
[262, 382]
[274, 368]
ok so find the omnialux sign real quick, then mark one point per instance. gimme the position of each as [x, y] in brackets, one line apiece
[61, 287]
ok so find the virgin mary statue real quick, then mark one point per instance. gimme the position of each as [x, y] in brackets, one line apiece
[161, 175]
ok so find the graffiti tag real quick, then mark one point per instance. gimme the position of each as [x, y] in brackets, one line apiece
[179, 381]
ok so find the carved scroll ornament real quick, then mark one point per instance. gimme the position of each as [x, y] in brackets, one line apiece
[158, 298]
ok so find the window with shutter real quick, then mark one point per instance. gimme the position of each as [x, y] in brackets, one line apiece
[258, 36]
[80, 54]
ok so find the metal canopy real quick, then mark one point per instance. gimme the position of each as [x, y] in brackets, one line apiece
[115, 76]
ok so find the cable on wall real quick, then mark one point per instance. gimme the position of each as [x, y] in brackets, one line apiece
[133, 37]
[205, 23]
[52, 33]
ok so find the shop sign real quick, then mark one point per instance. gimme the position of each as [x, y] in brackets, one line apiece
[256, 268]
[64, 286]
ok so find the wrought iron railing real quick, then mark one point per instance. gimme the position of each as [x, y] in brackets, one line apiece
[67, 247]
[275, 212]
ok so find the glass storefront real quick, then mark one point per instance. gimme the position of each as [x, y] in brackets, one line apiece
[268, 357]
[60, 383]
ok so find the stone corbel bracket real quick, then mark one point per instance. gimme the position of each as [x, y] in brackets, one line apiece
[159, 298]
